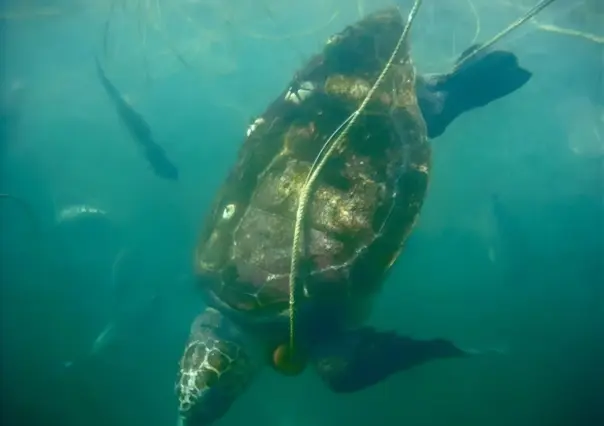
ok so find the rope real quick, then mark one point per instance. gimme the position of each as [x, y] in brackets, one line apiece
[528, 15]
[316, 168]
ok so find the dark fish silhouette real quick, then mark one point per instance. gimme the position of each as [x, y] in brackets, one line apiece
[139, 129]
[120, 330]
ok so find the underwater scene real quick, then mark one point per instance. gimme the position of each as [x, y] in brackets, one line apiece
[294, 213]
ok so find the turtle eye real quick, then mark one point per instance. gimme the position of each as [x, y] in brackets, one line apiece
[228, 211]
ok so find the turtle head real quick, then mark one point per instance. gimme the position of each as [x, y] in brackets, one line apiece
[215, 369]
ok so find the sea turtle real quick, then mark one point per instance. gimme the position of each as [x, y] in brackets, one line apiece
[364, 205]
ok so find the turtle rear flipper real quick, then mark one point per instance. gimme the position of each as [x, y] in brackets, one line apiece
[478, 81]
[360, 358]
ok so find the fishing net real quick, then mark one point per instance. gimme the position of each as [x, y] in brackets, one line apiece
[579, 18]
[218, 44]
[147, 40]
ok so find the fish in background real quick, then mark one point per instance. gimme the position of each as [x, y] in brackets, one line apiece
[118, 330]
[87, 379]
[136, 305]
[139, 129]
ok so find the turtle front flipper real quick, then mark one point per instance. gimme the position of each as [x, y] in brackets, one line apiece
[360, 358]
[218, 364]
